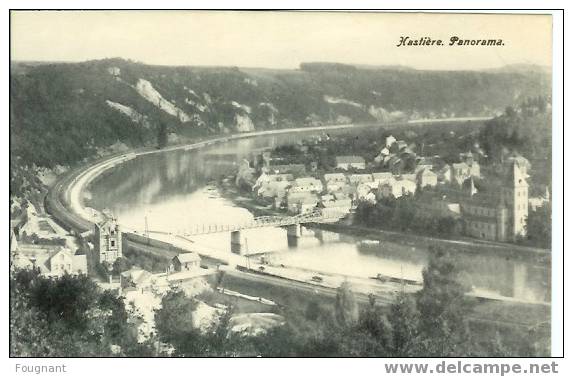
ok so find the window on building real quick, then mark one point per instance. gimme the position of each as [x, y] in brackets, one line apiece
[112, 243]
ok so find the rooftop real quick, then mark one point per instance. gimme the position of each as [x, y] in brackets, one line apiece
[188, 257]
[349, 160]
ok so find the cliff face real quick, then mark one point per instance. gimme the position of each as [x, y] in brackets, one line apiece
[61, 112]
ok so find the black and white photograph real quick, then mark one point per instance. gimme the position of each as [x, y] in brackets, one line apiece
[301, 184]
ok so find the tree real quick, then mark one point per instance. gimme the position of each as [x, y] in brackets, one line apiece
[373, 324]
[174, 323]
[120, 265]
[443, 307]
[346, 308]
[162, 135]
[538, 226]
[66, 316]
[219, 278]
[312, 311]
[405, 321]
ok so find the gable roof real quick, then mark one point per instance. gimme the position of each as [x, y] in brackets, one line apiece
[349, 160]
[188, 257]
[307, 181]
[381, 175]
[334, 176]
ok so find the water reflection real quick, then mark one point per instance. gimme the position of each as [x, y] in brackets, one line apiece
[172, 191]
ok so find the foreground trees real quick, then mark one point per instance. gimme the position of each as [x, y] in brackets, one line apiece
[70, 316]
[67, 316]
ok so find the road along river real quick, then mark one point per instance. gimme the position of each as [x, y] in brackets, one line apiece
[171, 190]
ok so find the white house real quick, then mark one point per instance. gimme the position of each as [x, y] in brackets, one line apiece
[397, 188]
[185, 262]
[348, 162]
[426, 177]
[381, 177]
[307, 184]
[301, 202]
[356, 179]
[49, 261]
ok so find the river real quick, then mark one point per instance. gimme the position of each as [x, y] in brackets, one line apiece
[173, 191]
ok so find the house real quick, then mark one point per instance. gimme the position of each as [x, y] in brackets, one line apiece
[362, 190]
[13, 241]
[385, 152]
[185, 262]
[426, 177]
[468, 158]
[398, 146]
[396, 188]
[338, 204]
[423, 166]
[410, 177]
[307, 184]
[445, 174]
[335, 182]
[335, 177]
[464, 170]
[295, 169]
[461, 171]
[108, 239]
[49, 260]
[136, 278]
[350, 162]
[274, 189]
[301, 202]
[60, 262]
[381, 177]
[390, 140]
[356, 179]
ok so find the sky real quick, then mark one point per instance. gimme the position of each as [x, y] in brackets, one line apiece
[278, 39]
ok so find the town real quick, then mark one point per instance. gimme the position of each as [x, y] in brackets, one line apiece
[460, 194]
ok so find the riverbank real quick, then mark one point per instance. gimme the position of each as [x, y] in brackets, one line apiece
[462, 244]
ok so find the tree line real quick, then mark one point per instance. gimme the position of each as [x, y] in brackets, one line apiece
[72, 316]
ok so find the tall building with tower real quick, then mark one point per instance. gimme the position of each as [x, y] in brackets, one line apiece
[108, 239]
[516, 196]
[500, 214]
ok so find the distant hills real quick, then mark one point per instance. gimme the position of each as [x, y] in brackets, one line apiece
[62, 112]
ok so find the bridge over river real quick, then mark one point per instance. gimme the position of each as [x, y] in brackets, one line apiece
[291, 223]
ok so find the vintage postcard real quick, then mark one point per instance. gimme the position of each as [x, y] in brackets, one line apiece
[280, 184]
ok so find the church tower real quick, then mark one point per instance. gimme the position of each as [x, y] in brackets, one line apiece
[516, 198]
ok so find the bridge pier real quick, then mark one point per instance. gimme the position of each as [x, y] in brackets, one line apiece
[319, 235]
[293, 230]
[236, 246]
[293, 234]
